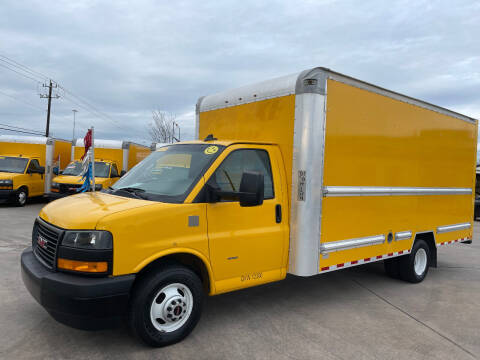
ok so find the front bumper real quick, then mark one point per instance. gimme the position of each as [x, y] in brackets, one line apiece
[6, 194]
[78, 301]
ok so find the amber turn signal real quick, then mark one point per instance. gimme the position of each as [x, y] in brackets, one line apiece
[83, 266]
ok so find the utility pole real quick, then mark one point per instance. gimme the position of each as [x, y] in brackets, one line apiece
[73, 133]
[49, 97]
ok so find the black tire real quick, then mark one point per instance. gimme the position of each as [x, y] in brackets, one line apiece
[148, 290]
[392, 267]
[407, 263]
[20, 196]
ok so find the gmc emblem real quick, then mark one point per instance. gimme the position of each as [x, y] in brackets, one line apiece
[42, 242]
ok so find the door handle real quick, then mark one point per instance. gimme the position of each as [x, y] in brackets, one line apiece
[278, 213]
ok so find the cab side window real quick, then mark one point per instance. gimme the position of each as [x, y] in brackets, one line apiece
[114, 171]
[34, 165]
[229, 174]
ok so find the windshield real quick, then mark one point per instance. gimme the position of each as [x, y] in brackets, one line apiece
[13, 164]
[102, 169]
[169, 173]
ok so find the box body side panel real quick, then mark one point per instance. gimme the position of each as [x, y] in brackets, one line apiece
[63, 148]
[270, 120]
[375, 141]
[25, 149]
[136, 154]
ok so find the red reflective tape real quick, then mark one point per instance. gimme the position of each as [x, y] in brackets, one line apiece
[325, 268]
[379, 256]
[354, 262]
[366, 259]
[400, 252]
[340, 265]
[391, 254]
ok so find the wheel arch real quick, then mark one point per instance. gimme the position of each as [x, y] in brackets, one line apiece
[186, 257]
[24, 186]
[429, 238]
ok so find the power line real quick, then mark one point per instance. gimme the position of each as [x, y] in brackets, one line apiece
[22, 101]
[19, 73]
[20, 131]
[95, 113]
[8, 63]
[22, 67]
[105, 116]
[21, 128]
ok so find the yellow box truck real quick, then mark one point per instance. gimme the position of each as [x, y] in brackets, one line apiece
[113, 158]
[304, 174]
[27, 164]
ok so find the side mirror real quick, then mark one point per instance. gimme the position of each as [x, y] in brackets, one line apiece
[55, 171]
[41, 170]
[123, 172]
[251, 189]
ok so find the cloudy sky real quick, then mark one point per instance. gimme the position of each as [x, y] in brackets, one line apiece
[127, 58]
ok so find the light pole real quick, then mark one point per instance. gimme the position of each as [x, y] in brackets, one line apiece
[73, 133]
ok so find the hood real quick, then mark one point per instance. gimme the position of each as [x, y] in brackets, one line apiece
[83, 211]
[67, 179]
[8, 176]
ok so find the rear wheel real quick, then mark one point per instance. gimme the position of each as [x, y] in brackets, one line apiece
[166, 305]
[20, 197]
[414, 267]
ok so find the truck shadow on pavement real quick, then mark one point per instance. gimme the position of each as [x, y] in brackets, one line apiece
[30, 201]
[258, 309]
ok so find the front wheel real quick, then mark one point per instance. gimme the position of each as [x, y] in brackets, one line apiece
[166, 305]
[414, 267]
[20, 197]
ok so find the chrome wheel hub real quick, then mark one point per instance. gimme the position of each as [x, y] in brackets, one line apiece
[22, 197]
[171, 307]
[420, 262]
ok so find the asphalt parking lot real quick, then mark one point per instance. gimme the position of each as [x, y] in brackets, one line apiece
[353, 313]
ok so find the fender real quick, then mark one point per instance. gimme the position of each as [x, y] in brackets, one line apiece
[193, 252]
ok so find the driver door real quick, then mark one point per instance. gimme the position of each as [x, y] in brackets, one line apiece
[247, 244]
[36, 180]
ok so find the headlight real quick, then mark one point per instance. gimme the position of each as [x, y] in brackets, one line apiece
[98, 187]
[55, 185]
[95, 240]
[6, 182]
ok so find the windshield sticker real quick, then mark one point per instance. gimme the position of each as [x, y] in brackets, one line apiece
[211, 150]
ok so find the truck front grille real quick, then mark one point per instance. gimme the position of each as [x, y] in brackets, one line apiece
[45, 239]
[69, 188]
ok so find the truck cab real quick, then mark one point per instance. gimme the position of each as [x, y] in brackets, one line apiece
[70, 179]
[20, 178]
[216, 209]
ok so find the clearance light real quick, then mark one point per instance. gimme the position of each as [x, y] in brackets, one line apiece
[83, 266]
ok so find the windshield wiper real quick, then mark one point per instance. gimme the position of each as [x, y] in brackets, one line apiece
[132, 190]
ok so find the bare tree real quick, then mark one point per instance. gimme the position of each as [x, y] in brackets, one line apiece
[162, 127]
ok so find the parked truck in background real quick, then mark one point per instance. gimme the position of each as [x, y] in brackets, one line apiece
[26, 165]
[304, 174]
[113, 158]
